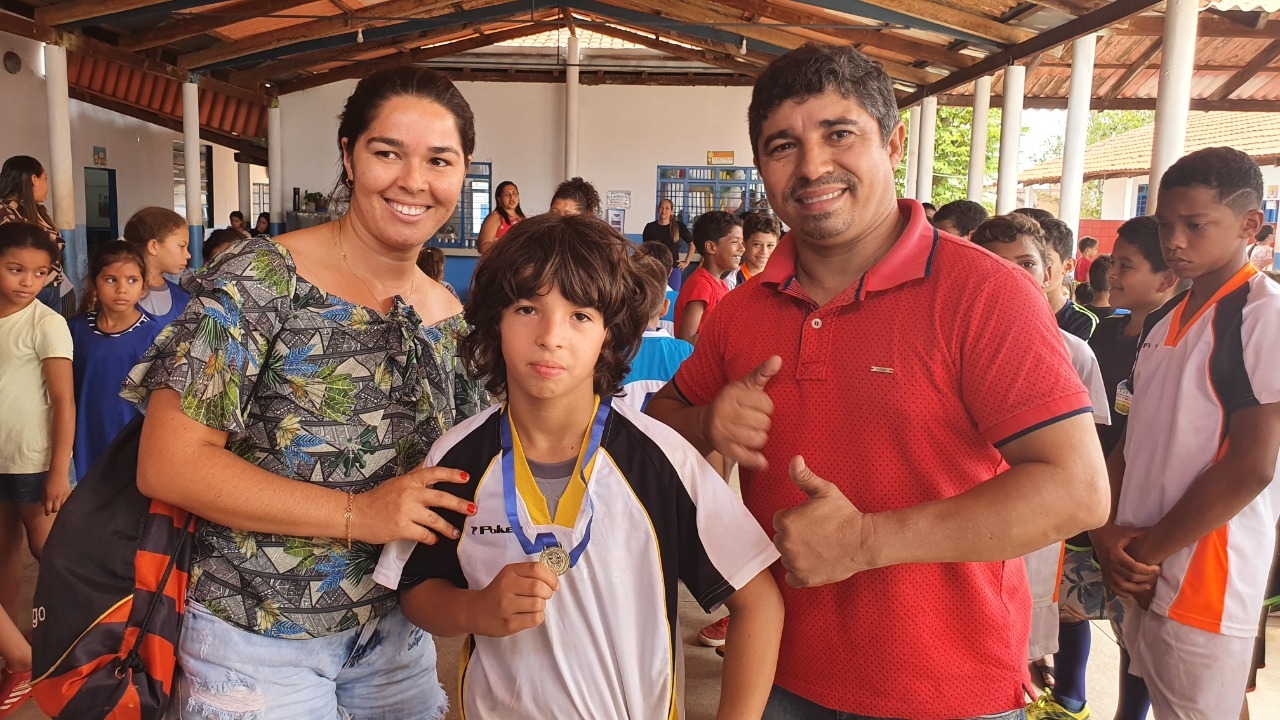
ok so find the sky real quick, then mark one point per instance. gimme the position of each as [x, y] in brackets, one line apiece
[1042, 127]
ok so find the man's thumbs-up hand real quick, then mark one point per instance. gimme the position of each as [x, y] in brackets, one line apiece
[740, 417]
[823, 539]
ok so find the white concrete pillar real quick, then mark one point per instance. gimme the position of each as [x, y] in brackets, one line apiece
[191, 167]
[1173, 95]
[1079, 95]
[275, 168]
[1015, 78]
[913, 152]
[571, 102]
[61, 170]
[978, 138]
[928, 130]
[245, 183]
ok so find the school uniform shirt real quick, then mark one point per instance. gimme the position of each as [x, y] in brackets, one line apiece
[28, 338]
[164, 305]
[701, 286]
[654, 365]
[1115, 352]
[610, 646]
[1075, 319]
[1191, 376]
[102, 362]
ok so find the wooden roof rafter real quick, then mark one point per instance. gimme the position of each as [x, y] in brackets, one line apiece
[724, 60]
[372, 16]
[359, 69]
[280, 70]
[1140, 64]
[192, 24]
[81, 10]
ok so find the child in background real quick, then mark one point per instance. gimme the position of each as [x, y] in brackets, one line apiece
[718, 236]
[1019, 240]
[1071, 315]
[1088, 248]
[218, 242]
[38, 418]
[1262, 253]
[109, 340]
[431, 263]
[1100, 303]
[761, 232]
[1140, 283]
[161, 236]
[575, 197]
[587, 512]
[960, 218]
[660, 252]
[1193, 527]
[660, 354]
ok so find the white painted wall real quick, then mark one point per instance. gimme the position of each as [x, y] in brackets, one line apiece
[625, 133]
[1120, 195]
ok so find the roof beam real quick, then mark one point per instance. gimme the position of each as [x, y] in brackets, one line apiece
[190, 25]
[374, 15]
[1252, 19]
[1054, 103]
[925, 15]
[594, 78]
[1143, 61]
[1208, 27]
[1094, 21]
[77, 10]
[362, 68]
[693, 13]
[836, 26]
[702, 55]
[1246, 73]
[280, 70]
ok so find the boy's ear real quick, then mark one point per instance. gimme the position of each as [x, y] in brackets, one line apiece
[1068, 266]
[1251, 223]
[666, 305]
[1168, 281]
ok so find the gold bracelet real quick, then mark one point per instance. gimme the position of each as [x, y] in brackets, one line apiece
[351, 499]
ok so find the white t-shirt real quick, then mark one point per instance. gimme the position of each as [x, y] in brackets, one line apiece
[610, 647]
[27, 338]
[1191, 375]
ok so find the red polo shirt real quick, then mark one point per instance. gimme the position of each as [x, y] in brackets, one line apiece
[899, 391]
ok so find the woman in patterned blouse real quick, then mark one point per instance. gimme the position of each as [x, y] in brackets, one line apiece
[290, 407]
[24, 185]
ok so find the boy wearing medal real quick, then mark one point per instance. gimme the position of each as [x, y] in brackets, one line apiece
[588, 513]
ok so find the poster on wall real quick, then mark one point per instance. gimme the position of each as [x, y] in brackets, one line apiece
[617, 198]
[1273, 192]
[99, 156]
[719, 157]
[617, 218]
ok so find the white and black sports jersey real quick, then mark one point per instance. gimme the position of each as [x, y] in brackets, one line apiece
[653, 513]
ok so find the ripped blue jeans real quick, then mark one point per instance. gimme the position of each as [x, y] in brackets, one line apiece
[383, 670]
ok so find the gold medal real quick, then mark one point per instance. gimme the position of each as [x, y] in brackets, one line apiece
[555, 559]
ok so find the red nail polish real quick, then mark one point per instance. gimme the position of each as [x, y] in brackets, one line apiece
[465, 477]
[471, 508]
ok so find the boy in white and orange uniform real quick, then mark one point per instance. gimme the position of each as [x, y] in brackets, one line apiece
[1193, 527]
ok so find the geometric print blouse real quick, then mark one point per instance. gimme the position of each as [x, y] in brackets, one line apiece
[309, 387]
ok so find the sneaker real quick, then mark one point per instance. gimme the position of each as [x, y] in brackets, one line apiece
[714, 634]
[15, 689]
[1046, 708]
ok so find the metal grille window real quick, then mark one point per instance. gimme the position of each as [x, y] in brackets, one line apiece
[694, 190]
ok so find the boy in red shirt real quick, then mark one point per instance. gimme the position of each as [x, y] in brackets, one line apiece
[718, 236]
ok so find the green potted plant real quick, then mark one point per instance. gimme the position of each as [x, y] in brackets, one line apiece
[315, 202]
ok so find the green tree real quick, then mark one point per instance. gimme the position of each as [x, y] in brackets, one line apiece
[1103, 125]
[951, 153]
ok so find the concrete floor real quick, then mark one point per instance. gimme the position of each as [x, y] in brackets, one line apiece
[702, 668]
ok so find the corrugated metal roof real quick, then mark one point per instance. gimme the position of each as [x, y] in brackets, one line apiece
[1129, 154]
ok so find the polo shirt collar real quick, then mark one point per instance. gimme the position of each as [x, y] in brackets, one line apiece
[910, 258]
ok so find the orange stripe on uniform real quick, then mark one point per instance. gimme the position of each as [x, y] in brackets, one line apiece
[1178, 329]
[1201, 601]
[1062, 556]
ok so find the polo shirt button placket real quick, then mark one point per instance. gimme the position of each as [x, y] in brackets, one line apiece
[815, 351]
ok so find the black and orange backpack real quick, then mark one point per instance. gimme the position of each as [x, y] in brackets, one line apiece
[110, 596]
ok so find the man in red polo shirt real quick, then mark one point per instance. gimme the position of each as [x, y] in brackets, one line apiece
[903, 410]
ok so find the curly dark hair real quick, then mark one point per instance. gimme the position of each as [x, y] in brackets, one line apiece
[589, 263]
[581, 192]
[1007, 229]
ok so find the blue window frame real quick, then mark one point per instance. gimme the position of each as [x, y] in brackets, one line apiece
[1141, 208]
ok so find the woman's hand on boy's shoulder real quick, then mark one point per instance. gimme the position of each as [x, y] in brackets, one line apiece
[404, 508]
[515, 601]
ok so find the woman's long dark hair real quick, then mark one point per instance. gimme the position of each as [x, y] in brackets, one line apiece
[498, 206]
[17, 177]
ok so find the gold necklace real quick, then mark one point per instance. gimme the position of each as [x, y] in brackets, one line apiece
[342, 250]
